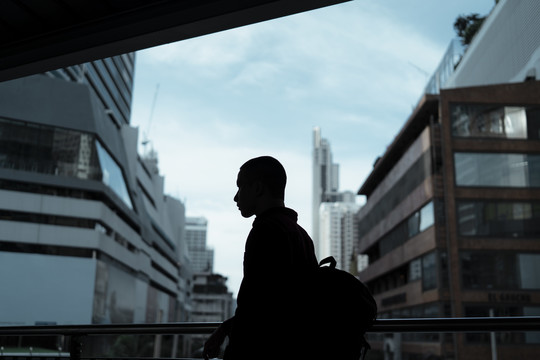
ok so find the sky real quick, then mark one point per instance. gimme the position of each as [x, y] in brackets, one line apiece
[356, 70]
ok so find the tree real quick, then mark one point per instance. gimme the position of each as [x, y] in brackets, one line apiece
[467, 26]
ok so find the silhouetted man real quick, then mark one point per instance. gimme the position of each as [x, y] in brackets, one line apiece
[271, 318]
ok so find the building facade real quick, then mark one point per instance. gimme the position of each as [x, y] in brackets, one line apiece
[202, 258]
[110, 80]
[450, 225]
[212, 302]
[87, 234]
[451, 219]
[337, 234]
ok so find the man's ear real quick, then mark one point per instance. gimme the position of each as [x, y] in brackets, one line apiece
[260, 188]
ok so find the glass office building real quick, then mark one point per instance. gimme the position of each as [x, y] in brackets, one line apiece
[87, 234]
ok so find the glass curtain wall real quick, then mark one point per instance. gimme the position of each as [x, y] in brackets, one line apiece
[55, 151]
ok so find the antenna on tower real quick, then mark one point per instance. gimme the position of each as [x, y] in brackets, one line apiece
[146, 133]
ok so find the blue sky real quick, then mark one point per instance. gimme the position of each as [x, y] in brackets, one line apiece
[355, 69]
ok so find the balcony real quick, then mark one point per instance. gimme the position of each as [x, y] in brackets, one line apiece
[74, 337]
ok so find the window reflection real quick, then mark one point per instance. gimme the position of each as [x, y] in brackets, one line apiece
[415, 224]
[112, 174]
[494, 121]
[54, 151]
[499, 219]
[47, 150]
[500, 270]
[497, 170]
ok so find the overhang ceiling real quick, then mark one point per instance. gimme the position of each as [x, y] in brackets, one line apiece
[42, 35]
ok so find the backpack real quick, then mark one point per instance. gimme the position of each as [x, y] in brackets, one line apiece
[346, 311]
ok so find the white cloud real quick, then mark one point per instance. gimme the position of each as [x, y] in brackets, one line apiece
[260, 73]
[258, 90]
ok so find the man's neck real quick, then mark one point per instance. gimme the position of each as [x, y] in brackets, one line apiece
[269, 204]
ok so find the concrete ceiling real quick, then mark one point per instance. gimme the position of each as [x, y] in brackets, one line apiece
[42, 35]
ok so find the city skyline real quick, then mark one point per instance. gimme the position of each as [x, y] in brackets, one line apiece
[325, 182]
[443, 223]
[327, 67]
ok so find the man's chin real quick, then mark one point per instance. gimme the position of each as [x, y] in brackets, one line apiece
[246, 214]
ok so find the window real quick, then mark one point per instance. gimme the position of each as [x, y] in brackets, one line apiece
[415, 270]
[54, 151]
[415, 224]
[47, 150]
[497, 170]
[488, 270]
[429, 271]
[500, 270]
[421, 220]
[112, 175]
[529, 268]
[427, 218]
[495, 121]
[498, 219]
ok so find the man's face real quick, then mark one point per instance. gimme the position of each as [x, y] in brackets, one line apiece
[246, 197]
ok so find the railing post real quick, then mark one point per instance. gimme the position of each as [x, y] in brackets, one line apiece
[75, 347]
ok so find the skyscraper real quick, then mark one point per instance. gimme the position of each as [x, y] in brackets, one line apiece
[325, 180]
[338, 231]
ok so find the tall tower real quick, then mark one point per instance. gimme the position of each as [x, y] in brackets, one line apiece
[325, 180]
[337, 236]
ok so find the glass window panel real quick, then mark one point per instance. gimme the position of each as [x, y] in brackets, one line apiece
[499, 219]
[429, 271]
[415, 270]
[427, 218]
[112, 175]
[48, 150]
[497, 170]
[489, 270]
[510, 122]
[413, 224]
[529, 268]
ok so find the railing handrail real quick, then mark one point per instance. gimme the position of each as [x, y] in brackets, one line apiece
[426, 325]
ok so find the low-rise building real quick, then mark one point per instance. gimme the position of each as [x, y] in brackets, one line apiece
[451, 219]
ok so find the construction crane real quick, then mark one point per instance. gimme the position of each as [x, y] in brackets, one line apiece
[146, 133]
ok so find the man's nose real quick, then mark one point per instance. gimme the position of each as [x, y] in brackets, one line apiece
[236, 197]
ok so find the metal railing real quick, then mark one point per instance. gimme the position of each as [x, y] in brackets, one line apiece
[77, 333]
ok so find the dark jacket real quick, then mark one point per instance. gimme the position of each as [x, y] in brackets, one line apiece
[270, 320]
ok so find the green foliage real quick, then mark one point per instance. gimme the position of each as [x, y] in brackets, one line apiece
[467, 26]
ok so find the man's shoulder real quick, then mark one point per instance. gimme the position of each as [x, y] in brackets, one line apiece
[277, 215]
[275, 222]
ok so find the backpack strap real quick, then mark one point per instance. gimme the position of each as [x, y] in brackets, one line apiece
[329, 260]
[365, 347]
